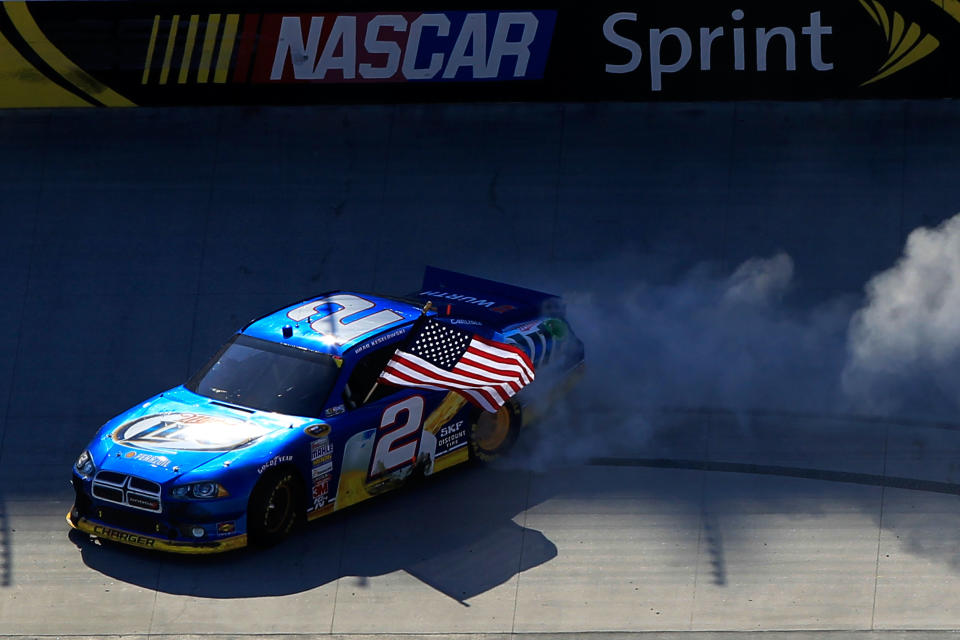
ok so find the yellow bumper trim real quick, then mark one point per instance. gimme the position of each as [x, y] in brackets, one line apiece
[141, 541]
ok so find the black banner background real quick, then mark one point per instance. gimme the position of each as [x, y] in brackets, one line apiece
[109, 41]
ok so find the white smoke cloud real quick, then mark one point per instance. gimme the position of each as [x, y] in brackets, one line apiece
[711, 340]
[734, 341]
[904, 343]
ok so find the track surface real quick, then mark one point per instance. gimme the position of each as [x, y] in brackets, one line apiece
[134, 242]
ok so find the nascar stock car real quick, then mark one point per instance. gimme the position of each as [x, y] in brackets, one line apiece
[321, 405]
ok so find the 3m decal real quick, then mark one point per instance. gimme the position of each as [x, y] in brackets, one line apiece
[187, 432]
[398, 438]
[341, 318]
[320, 491]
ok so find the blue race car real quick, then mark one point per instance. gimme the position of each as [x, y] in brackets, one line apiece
[321, 405]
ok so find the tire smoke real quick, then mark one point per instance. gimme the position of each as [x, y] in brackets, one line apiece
[903, 352]
[735, 342]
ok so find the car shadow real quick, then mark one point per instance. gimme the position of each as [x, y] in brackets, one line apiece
[454, 533]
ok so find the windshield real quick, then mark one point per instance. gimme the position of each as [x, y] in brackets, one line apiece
[267, 376]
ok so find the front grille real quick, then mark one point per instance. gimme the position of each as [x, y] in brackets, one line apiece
[127, 490]
[110, 494]
[130, 520]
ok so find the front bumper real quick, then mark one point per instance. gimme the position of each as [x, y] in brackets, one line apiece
[141, 541]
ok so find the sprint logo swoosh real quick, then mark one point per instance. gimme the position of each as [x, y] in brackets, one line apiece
[907, 43]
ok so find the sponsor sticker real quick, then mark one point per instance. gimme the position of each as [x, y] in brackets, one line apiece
[226, 527]
[160, 461]
[451, 436]
[387, 337]
[318, 430]
[321, 491]
[321, 455]
[122, 536]
[334, 411]
[187, 432]
[274, 462]
[404, 46]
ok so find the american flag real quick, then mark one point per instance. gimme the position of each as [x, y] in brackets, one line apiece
[485, 372]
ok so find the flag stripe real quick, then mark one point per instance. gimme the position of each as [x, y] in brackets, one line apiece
[516, 356]
[480, 362]
[412, 376]
[478, 370]
[500, 346]
[510, 364]
[416, 367]
[485, 372]
[474, 397]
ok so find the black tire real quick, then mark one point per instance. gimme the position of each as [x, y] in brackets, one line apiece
[493, 434]
[275, 507]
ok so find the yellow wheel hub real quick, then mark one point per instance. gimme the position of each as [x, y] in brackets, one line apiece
[493, 429]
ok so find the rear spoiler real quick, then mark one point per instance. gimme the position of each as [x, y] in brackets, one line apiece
[495, 303]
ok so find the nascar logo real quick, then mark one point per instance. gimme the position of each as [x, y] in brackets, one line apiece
[399, 47]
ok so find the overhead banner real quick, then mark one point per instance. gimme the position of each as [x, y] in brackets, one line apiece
[140, 53]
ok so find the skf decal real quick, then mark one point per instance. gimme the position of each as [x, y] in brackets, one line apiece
[451, 437]
[401, 47]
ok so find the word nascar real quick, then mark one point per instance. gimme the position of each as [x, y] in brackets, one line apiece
[402, 47]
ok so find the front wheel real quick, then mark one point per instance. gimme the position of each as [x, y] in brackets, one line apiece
[492, 434]
[274, 508]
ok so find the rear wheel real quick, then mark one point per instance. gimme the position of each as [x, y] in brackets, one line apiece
[274, 508]
[492, 434]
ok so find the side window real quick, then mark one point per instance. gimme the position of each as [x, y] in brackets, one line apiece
[365, 375]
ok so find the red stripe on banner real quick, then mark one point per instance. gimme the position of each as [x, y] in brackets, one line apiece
[248, 42]
[432, 376]
[507, 347]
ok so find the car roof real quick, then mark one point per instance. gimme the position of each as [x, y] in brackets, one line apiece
[336, 321]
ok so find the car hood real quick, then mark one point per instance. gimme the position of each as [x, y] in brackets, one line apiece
[178, 431]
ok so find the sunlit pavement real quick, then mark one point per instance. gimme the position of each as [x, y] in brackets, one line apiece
[134, 243]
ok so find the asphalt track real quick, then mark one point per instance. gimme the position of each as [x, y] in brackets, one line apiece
[133, 242]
